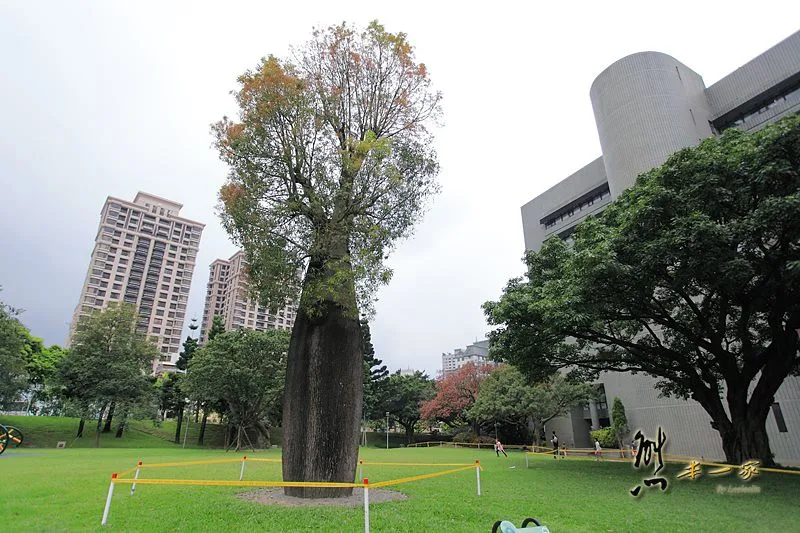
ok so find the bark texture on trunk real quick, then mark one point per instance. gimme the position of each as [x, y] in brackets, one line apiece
[746, 440]
[179, 425]
[109, 418]
[202, 428]
[323, 402]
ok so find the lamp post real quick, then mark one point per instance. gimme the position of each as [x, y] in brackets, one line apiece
[387, 430]
[495, 431]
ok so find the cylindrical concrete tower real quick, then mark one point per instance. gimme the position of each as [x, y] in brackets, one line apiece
[646, 106]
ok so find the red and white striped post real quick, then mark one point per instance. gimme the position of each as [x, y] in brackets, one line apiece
[366, 505]
[478, 474]
[241, 472]
[108, 500]
[135, 477]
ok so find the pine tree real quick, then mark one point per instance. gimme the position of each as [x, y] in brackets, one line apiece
[375, 374]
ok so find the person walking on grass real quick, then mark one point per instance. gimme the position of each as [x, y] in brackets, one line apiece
[498, 447]
[597, 450]
[554, 440]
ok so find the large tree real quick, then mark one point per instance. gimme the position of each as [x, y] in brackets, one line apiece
[330, 163]
[375, 376]
[506, 395]
[405, 397]
[108, 363]
[174, 396]
[455, 395]
[13, 341]
[690, 276]
[243, 371]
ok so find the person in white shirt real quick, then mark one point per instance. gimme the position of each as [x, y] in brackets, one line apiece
[597, 450]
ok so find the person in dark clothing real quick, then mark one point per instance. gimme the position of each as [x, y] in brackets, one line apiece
[554, 440]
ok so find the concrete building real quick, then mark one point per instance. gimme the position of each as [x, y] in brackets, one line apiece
[477, 353]
[228, 295]
[647, 106]
[144, 254]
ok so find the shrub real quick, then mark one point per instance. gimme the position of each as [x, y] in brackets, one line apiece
[605, 436]
[464, 436]
[483, 439]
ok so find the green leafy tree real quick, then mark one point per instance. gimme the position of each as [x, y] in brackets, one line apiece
[330, 163]
[178, 403]
[108, 363]
[375, 376]
[406, 394]
[689, 277]
[13, 340]
[244, 371]
[507, 395]
[41, 366]
[619, 423]
[217, 327]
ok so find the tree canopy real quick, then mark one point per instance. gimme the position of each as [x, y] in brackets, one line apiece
[455, 394]
[13, 338]
[506, 395]
[375, 376]
[406, 394]
[690, 276]
[330, 158]
[244, 371]
[109, 361]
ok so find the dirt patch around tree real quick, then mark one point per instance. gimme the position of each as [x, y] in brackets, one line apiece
[275, 496]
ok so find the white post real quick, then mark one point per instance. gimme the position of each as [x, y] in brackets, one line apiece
[108, 500]
[478, 473]
[135, 477]
[366, 505]
[361, 469]
[241, 474]
[186, 432]
[526, 459]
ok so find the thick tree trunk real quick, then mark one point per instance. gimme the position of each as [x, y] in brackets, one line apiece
[81, 425]
[99, 426]
[202, 435]
[179, 425]
[120, 429]
[323, 401]
[409, 433]
[107, 427]
[264, 430]
[746, 439]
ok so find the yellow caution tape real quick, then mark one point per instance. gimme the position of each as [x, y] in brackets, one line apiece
[224, 483]
[417, 478]
[418, 464]
[123, 474]
[188, 463]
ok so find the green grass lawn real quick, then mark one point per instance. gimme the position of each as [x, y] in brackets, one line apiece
[65, 490]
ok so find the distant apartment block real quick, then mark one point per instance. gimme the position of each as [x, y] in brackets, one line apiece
[228, 295]
[144, 254]
[477, 353]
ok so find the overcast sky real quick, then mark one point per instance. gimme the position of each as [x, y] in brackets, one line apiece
[108, 98]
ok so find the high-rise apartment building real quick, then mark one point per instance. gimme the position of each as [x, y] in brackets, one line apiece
[228, 295]
[646, 107]
[477, 353]
[144, 254]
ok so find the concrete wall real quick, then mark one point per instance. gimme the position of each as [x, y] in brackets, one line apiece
[646, 106]
[571, 188]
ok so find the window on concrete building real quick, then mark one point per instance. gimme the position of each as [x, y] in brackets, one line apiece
[776, 410]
